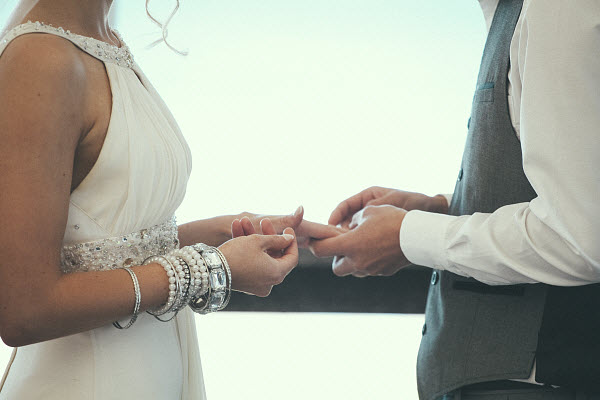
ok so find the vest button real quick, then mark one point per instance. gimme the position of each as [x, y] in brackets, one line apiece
[435, 277]
[424, 330]
[460, 175]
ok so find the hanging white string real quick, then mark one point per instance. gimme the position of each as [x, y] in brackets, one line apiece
[164, 28]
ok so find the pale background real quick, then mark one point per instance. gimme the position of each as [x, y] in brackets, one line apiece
[307, 102]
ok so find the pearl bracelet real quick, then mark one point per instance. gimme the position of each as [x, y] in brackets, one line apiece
[174, 286]
[198, 270]
[138, 300]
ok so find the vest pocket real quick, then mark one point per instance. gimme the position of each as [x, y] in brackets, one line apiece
[484, 93]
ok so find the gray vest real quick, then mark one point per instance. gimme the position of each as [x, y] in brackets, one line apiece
[479, 333]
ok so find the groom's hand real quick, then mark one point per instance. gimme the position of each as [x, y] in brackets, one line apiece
[377, 196]
[371, 247]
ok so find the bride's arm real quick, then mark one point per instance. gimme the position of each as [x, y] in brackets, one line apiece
[44, 111]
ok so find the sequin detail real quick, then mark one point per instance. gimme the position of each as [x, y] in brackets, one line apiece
[120, 251]
[97, 48]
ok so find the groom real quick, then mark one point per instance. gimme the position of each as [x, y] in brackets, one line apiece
[515, 251]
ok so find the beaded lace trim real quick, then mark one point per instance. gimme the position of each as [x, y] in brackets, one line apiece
[119, 251]
[97, 48]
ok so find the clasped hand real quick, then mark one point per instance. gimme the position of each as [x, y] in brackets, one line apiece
[363, 236]
[370, 245]
[264, 249]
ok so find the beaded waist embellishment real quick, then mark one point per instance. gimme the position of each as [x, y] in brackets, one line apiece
[120, 251]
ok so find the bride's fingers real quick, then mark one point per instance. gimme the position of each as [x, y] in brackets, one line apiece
[236, 229]
[289, 259]
[275, 242]
[247, 226]
[280, 222]
[267, 227]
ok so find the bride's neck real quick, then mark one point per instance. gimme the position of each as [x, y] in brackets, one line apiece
[85, 17]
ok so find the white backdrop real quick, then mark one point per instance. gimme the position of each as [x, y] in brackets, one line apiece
[307, 102]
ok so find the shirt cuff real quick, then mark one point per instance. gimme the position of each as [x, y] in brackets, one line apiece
[422, 238]
[448, 198]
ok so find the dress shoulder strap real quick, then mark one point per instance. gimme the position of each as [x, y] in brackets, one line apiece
[103, 51]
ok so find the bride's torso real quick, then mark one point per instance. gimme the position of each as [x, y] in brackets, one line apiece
[119, 213]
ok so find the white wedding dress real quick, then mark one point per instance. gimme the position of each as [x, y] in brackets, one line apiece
[121, 213]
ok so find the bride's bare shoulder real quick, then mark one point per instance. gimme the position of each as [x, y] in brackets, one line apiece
[42, 59]
[42, 78]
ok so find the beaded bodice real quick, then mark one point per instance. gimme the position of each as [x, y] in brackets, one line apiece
[99, 49]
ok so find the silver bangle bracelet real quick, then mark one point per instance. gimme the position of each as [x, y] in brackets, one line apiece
[186, 281]
[228, 275]
[138, 300]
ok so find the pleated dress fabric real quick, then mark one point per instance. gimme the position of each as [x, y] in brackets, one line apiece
[138, 182]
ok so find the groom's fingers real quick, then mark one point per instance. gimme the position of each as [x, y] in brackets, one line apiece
[342, 266]
[333, 246]
[318, 231]
[353, 204]
[346, 208]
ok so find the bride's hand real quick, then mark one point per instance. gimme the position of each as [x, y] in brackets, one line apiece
[250, 224]
[259, 262]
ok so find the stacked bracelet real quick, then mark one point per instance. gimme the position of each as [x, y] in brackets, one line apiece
[138, 300]
[199, 276]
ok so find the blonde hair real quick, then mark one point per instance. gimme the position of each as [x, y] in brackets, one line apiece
[163, 26]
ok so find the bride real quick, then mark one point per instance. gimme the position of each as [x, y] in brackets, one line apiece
[93, 169]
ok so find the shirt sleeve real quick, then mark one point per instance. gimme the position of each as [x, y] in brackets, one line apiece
[555, 238]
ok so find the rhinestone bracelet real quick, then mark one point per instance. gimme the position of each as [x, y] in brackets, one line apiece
[138, 301]
[219, 288]
[228, 276]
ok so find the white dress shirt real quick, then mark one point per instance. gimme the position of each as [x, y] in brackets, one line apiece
[554, 102]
